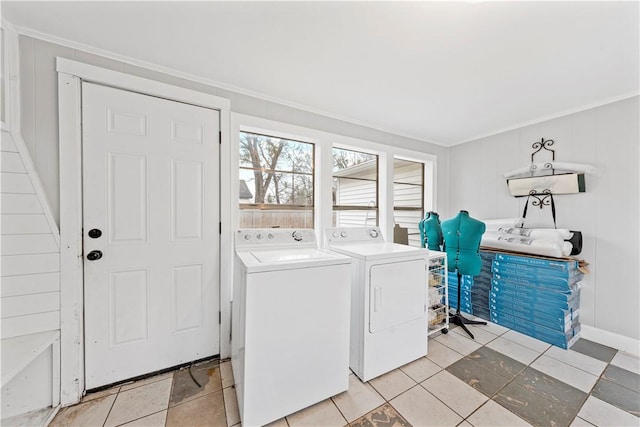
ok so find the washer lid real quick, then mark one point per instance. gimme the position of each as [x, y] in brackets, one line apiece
[291, 255]
[285, 259]
[381, 250]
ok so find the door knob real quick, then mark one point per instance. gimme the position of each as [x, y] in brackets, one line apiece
[94, 233]
[94, 255]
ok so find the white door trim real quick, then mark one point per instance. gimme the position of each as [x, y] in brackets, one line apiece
[70, 75]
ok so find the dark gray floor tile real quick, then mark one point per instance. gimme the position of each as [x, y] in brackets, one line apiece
[551, 389]
[384, 416]
[595, 350]
[477, 376]
[534, 408]
[497, 362]
[622, 377]
[197, 381]
[618, 396]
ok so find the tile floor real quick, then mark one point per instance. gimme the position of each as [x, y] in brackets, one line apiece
[503, 378]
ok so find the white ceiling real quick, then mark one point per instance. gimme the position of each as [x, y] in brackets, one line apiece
[444, 72]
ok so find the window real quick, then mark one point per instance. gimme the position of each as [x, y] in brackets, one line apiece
[276, 182]
[355, 188]
[408, 197]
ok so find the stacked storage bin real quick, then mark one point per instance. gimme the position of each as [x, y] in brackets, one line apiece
[537, 297]
[474, 291]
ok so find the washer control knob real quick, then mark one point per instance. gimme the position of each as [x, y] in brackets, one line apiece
[270, 236]
[247, 237]
[297, 236]
[343, 233]
[373, 233]
[335, 234]
[259, 236]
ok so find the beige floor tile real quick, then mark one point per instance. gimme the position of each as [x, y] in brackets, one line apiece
[140, 402]
[579, 422]
[154, 420]
[465, 424]
[455, 393]
[627, 361]
[526, 341]
[458, 343]
[514, 350]
[146, 381]
[442, 355]
[358, 400]
[231, 406]
[324, 414]
[494, 328]
[226, 372]
[99, 394]
[205, 411]
[282, 422]
[566, 373]
[392, 383]
[480, 334]
[491, 414]
[600, 413]
[578, 360]
[92, 413]
[421, 408]
[421, 369]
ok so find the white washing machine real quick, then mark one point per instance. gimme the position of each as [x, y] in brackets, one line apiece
[290, 323]
[388, 300]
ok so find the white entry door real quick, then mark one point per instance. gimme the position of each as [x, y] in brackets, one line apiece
[150, 233]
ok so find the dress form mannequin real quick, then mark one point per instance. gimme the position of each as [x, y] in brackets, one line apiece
[462, 235]
[431, 231]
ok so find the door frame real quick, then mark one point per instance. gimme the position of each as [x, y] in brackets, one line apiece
[71, 74]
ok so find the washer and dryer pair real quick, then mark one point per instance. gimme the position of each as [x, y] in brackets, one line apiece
[388, 300]
[303, 315]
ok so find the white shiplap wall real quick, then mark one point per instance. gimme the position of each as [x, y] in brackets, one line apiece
[29, 290]
[29, 252]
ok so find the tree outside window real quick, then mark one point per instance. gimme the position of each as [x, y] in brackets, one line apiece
[276, 182]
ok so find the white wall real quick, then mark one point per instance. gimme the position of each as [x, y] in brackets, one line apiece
[606, 137]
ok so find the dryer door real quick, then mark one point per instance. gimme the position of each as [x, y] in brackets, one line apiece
[397, 293]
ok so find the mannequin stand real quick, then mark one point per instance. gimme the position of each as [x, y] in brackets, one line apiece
[457, 318]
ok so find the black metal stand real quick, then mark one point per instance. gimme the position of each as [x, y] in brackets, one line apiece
[457, 316]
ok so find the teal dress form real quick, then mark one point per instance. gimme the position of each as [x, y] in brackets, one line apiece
[462, 235]
[431, 232]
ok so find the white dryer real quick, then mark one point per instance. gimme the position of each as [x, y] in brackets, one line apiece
[388, 300]
[290, 323]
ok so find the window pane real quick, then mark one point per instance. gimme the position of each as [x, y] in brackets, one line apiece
[408, 193]
[409, 220]
[272, 153]
[354, 192]
[352, 218]
[276, 174]
[355, 183]
[283, 218]
[347, 159]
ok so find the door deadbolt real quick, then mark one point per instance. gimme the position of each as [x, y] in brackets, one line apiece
[94, 255]
[94, 233]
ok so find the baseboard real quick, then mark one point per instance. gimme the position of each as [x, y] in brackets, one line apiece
[611, 339]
